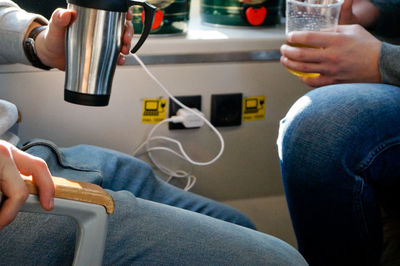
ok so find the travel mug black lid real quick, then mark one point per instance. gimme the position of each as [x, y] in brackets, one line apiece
[109, 5]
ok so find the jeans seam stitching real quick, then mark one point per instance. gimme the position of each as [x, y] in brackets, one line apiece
[376, 151]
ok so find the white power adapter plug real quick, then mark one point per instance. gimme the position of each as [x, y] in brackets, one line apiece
[189, 119]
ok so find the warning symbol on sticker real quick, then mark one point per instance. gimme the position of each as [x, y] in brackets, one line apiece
[154, 110]
[253, 108]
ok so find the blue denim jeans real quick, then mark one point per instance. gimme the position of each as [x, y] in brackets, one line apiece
[339, 149]
[154, 223]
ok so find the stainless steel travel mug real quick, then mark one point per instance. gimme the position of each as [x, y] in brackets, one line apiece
[93, 42]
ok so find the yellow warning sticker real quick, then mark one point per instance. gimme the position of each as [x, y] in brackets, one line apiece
[253, 108]
[154, 110]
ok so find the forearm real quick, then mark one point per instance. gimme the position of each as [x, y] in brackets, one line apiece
[15, 25]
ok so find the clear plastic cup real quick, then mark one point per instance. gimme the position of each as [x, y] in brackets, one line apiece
[311, 15]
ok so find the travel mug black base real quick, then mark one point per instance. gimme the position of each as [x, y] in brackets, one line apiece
[86, 99]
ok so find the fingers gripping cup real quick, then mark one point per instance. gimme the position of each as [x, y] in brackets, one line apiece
[93, 43]
[311, 15]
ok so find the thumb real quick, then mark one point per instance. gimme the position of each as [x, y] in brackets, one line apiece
[346, 13]
[347, 4]
[60, 19]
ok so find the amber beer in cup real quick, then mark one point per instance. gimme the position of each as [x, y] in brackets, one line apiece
[311, 15]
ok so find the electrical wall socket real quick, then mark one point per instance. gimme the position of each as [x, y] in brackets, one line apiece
[226, 109]
[193, 101]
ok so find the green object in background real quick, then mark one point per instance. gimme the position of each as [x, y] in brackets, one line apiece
[175, 17]
[241, 13]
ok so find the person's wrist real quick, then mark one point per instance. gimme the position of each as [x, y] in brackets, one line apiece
[377, 48]
[32, 46]
[41, 50]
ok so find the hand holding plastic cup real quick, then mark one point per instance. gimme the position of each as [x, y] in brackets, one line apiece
[311, 15]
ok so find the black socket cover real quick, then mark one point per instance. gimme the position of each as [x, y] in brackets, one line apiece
[109, 5]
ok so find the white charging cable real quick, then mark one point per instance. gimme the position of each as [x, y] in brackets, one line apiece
[183, 116]
[179, 174]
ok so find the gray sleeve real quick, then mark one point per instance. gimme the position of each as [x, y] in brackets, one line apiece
[13, 25]
[389, 64]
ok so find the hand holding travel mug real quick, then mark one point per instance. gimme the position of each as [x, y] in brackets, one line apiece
[93, 43]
